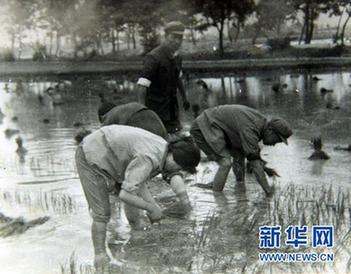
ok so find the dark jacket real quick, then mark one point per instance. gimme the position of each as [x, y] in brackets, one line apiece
[136, 115]
[162, 69]
[231, 128]
[121, 114]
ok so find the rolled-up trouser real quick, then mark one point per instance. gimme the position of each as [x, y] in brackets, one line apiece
[148, 120]
[238, 165]
[96, 186]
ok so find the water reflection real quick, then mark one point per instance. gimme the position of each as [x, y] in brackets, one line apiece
[317, 167]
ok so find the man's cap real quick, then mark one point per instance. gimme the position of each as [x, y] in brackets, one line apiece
[174, 27]
[281, 128]
[185, 153]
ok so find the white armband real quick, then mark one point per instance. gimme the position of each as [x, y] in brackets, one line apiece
[144, 82]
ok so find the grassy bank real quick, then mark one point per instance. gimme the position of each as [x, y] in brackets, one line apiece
[99, 67]
[243, 58]
[240, 50]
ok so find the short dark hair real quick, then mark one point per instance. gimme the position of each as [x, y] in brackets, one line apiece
[185, 153]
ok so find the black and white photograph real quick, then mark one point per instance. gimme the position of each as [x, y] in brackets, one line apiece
[180, 136]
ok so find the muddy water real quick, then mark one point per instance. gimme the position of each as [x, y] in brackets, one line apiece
[43, 181]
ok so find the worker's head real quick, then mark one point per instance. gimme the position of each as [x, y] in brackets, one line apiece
[277, 131]
[174, 34]
[104, 108]
[183, 155]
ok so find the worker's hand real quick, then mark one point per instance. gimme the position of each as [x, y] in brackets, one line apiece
[187, 206]
[270, 172]
[155, 213]
[102, 263]
[186, 104]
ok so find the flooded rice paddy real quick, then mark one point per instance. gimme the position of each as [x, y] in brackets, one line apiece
[44, 220]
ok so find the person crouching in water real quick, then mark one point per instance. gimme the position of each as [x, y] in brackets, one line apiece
[318, 153]
[234, 131]
[121, 159]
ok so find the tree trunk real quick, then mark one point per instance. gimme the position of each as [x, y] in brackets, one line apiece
[75, 45]
[20, 45]
[336, 38]
[302, 32]
[310, 35]
[58, 43]
[307, 22]
[278, 29]
[311, 26]
[133, 36]
[221, 48]
[117, 38]
[342, 36]
[257, 32]
[113, 41]
[96, 49]
[236, 37]
[230, 37]
[13, 41]
[51, 42]
[101, 45]
[192, 33]
[128, 37]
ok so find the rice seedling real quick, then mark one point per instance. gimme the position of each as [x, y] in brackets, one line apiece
[226, 241]
[47, 201]
[73, 267]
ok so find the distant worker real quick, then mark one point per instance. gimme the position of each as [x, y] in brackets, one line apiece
[161, 78]
[318, 153]
[132, 114]
[234, 131]
[122, 159]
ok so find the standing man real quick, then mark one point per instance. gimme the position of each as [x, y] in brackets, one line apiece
[122, 159]
[234, 131]
[160, 78]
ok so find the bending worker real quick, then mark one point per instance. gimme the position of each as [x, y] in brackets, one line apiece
[137, 115]
[234, 131]
[121, 159]
[132, 114]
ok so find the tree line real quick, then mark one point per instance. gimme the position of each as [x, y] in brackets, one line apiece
[88, 24]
